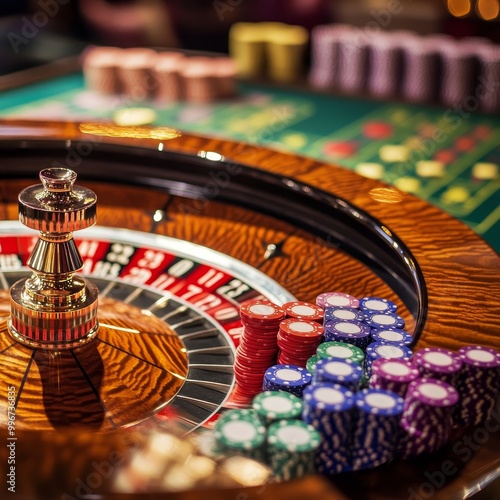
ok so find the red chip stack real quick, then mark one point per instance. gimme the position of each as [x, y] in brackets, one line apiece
[258, 345]
[304, 310]
[298, 340]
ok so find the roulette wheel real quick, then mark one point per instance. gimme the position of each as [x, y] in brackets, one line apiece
[188, 229]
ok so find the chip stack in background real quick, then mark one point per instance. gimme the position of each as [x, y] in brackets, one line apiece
[167, 71]
[273, 49]
[325, 55]
[240, 432]
[298, 340]
[136, 73]
[258, 345]
[100, 69]
[329, 409]
[376, 427]
[427, 416]
[290, 378]
[477, 384]
[487, 90]
[435, 362]
[393, 374]
[335, 371]
[271, 406]
[291, 449]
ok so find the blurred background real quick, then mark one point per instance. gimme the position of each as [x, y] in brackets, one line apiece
[65, 27]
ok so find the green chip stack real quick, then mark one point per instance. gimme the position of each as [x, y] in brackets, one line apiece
[240, 432]
[341, 351]
[271, 406]
[291, 449]
[311, 363]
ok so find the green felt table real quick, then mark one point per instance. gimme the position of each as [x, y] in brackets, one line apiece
[349, 131]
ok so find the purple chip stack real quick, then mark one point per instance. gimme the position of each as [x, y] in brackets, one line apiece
[435, 362]
[487, 89]
[352, 62]
[393, 374]
[456, 76]
[426, 420]
[420, 64]
[324, 53]
[385, 65]
[477, 384]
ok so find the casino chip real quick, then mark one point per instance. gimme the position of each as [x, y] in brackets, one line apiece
[258, 345]
[374, 305]
[289, 378]
[336, 313]
[393, 375]
[298, 340]
[291, 449]
[385, 320]
[427, 416]
[435, 362]
[240, 432]
[340, 350]
[391, 336]
[380, 350]
[329, 409]
[303, 310]
[276, 405]
[311, 364]
[376, 427]
[350, 332]
[477, 384]
[336, 299]
[335, 371]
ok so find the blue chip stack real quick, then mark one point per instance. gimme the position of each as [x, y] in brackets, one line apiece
[427, 416]
[374, 305]
[387, 320]
[290, 378]
[335, 371]
[477, 384]
[342, 314]
[349, 332]
[329, 409]
[377, 427]
[378, 350]
[391, 336]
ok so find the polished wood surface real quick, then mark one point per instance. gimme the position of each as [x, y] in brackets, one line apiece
[461, 272]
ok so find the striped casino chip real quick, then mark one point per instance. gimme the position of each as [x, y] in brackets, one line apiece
[435, 362]
[352, 60]
[136, 73]
[298, 340]
[350, 332]
[291, 449]
[343, 372]
[393, 374]
[336, 313]
[373, 305]
[385, 320]
[240, 432]
[336, 299]
[487, 89]
[329, 409]
[340, 350]
[303, 310]
[199, 82]
[276, 405]
[376, 426]
[381, 350]
[290, 378]
[391, 336]
[477, 384]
